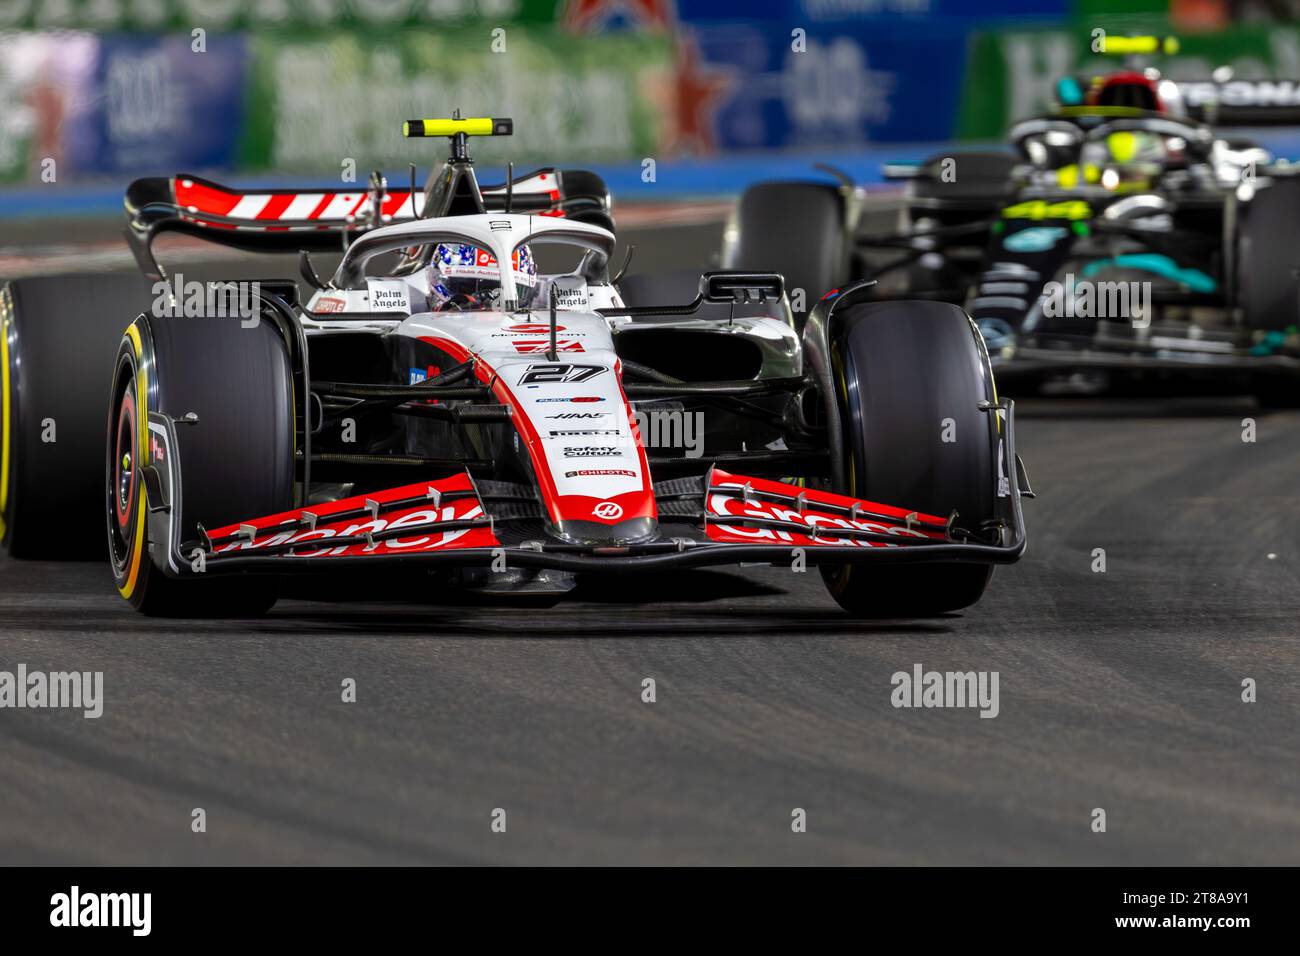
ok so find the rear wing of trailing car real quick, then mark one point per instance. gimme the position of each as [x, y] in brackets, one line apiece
[1242, 102]
[289, 220]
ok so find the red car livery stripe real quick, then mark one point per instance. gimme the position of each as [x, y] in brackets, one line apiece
[276, 206]
[631, 504]
[824, 520]
[420, 512]
[198, 200]
[201, 200]
[648, 509]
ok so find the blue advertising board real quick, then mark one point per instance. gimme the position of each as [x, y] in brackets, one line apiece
[796, 12]
[156, 105]
[835, 85]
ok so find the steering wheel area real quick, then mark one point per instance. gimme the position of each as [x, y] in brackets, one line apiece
[1198, 137]
[460, 302]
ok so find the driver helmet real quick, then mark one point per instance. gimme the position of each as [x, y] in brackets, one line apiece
[1129, 149]
[1128, 89]
[469, 272]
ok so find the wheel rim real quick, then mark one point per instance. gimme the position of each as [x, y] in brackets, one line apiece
[122, 486]
[124, 461]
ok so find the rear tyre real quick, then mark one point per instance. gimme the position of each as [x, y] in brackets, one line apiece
[903, 370]
[236, 462]
[799, 230]
[1269, 250]
[57, 342]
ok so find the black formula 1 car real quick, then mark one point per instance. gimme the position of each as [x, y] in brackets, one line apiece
[441, 403]
[1121, 238]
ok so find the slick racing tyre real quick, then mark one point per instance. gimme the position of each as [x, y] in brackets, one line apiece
[1269, 251]
[236, 461]
[911, 376]
[799, 230]
[57, 338]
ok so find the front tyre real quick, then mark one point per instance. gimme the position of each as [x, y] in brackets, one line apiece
[911, 377]
[236, 462]
[1268, 254]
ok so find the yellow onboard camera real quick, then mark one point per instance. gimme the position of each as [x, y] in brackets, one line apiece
[470, 126]
[1138, 46]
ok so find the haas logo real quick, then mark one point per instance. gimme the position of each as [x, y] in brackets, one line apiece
[608, 510]
[533, 327]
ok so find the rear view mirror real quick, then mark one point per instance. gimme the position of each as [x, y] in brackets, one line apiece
[739, 288]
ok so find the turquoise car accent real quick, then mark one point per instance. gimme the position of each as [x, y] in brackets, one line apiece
[1194, 279]
[1034, 239]
[1068, 91]
[1271, 342]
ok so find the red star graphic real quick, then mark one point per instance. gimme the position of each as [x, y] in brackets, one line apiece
[581, 16]
[697, 93]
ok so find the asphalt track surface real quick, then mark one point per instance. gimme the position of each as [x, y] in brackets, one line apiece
[1118, 690]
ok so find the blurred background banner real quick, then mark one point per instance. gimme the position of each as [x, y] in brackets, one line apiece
[184, 15]
[316, 100]
[1014, 69]
[114, 103]
[849, 83]
[110, 89]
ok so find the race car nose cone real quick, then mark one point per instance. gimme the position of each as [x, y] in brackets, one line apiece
[632, 531]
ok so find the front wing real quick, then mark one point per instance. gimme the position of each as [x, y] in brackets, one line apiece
[714, 519]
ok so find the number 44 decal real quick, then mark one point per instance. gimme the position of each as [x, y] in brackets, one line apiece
[1072, 209]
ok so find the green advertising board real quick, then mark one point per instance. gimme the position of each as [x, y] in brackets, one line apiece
[318, 101]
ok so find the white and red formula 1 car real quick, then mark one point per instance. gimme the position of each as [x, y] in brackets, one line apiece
[440, 400]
